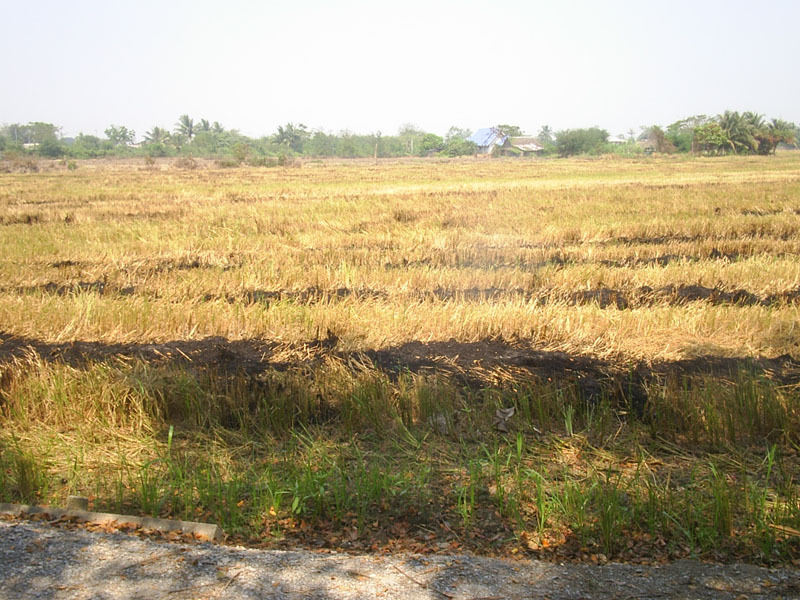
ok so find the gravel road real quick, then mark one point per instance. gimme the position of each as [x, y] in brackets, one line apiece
[38, 560]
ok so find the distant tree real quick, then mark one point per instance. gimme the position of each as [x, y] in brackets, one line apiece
[204, 125]
[741, 130]
[547, 139]
[217, 128]
[32, 133]
[410, 137]
[157, 135]
[509, 130]
[776, 132]
[185, 126]
[51, 147]
[39, 132]
[581, 141]
[681, 133]
[178, 140]
[710, 138]
[119, 135]
[409, 129]
[156, 141]
[321, 144]
[206, 143]
[545, 136]
[292, 136]
[456, 133]
[15, 132]
[459, 147]
[392, 145]
[347, 146]
[88, 146]
[241, 151]
[750, 133]
[429, 144]
[35, 132]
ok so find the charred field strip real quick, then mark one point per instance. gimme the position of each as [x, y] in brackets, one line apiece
[470, 364]
[565, 359]
[603, 297]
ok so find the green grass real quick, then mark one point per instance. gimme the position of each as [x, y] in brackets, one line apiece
[164, 444]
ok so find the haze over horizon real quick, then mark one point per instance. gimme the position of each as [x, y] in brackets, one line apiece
[374, 66]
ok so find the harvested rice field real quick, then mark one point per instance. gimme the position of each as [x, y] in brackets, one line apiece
[573, 359]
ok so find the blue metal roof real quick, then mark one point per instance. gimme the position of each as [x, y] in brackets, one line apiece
[488, 136]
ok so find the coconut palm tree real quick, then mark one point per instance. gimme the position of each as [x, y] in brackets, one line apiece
[178, 140]
[291, 136]
[740, 129]
[776, 132]
[185, 126]
[157, 135]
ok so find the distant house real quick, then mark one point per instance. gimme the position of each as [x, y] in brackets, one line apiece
[522, 146]
[488, 139]
[491, 140]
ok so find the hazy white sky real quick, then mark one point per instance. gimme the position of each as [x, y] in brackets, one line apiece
[372, 65]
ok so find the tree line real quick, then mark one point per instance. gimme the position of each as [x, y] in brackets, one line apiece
[728, 133]
[201, 138]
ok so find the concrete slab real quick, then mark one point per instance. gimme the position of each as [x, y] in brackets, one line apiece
[205, 531]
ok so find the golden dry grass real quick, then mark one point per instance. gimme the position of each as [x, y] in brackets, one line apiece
[469, 271]
[426, 250]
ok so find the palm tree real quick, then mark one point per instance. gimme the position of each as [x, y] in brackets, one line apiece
[204, 125]
[757, 128]
[545, 135]
[178, 140]
[291, 136]
[157, 135]
[777, 132]
[185, 126]
[739, 130]
[753, 120]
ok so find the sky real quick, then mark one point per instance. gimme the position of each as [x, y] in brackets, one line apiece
[368, 66]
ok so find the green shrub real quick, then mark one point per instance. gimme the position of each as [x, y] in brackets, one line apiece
[581, 141]
[51, 148]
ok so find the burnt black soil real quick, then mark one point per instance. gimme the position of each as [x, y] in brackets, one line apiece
[473, 364]
[603, 297]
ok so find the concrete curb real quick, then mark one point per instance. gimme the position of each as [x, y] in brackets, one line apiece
[204, 531]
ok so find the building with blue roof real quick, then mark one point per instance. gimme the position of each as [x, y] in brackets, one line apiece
[487, 139]
[492, 140]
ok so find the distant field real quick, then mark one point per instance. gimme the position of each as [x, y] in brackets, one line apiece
[367, 320]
